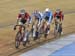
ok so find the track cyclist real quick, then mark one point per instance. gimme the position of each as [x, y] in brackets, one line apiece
[47, 17]
[37, 16]
[58, 17]
[23, 18]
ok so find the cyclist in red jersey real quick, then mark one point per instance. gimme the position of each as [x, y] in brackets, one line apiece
[23, 17]
[58, 17]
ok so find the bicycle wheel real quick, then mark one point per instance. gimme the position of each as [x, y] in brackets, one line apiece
[26, 38]
[47, 30]
[24, 41]
[60, 30]
[41, 31]
[18, 39]
[56, 31]
[45, 35]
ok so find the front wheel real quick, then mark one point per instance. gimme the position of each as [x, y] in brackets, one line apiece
[17, 44]
[47, 30]
[59, 31]
[55, 33]
[18, 39]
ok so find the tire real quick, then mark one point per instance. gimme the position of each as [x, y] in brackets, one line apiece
[55, 32]
[17, 44]
[26, 38]
[41, 31]
[59, 34]
[59, 31]
[45, 35]
[24, 43]
[18, 39]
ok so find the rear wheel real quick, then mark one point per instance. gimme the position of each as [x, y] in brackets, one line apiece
[24, 43]
[45, 35]
[58, 30]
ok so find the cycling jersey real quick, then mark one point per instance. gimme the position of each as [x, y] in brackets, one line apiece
[25, 16]
[38, 16]
[48, 16]
[58, 15]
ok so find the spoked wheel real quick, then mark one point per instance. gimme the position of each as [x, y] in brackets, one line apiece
[18, 39]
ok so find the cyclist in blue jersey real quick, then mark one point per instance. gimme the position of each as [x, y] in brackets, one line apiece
[48, 16]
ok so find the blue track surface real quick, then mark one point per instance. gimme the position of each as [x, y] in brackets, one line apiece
[68, 50]
[60, 47]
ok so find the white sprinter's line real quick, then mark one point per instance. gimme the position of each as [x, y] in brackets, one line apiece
[50, 47]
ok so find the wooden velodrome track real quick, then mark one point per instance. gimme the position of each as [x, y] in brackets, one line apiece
[8, 13]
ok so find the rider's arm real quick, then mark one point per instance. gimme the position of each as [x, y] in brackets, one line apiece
[50, 17]
[62, 16]
[54, 17]
[44, 15]
[18, 18]
[27, 16]
[41, 15]
[30, 19]
[17, 21]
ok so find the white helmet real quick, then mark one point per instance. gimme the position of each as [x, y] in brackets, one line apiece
[47, 9]
[22, 11]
